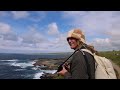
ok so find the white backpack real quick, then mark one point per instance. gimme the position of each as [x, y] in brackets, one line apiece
[104, 69]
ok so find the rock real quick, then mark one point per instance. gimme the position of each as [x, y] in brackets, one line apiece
[48, 76]
[50, 64]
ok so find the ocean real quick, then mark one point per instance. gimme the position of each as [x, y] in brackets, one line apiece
[22, 67]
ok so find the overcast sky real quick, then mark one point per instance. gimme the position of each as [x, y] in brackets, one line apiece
[46, 31]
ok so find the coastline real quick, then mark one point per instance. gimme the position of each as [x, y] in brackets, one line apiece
[49, 64]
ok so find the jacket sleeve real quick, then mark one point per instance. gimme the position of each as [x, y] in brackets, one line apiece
[78, 68]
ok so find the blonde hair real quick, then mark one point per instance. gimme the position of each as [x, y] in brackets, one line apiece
[89, 47]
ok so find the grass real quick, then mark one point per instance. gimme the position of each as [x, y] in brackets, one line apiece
[112, 55]
[59, 77]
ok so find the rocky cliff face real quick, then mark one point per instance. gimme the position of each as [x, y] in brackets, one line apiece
[49, 64]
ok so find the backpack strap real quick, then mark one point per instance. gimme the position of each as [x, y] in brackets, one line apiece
[93, 54]
[87, 64]
[86, 50]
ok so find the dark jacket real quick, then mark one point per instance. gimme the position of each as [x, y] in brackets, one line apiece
[78, 66]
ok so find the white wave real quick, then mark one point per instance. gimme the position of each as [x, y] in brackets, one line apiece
[19, 69]
[10, 60]
[49, 71]
[22, 65]
[37, 67]
[34, 68]
[38, 75]
[31, 62]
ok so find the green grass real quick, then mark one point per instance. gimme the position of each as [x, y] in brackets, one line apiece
[112, 55]
[59, 77]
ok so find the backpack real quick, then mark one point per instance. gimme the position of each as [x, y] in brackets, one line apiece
[104, 68]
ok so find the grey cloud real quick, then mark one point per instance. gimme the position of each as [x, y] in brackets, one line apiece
[6, 32]
[53, 30]
[38, 16]
[115, 38]
[10, 36]
[116, 44]
[33, 37]
[20, 14]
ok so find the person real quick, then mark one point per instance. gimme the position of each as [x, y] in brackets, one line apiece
[77, 68]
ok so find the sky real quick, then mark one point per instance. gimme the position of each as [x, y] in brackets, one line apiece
[46, 31]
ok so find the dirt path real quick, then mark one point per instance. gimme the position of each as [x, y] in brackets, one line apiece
[117, 68]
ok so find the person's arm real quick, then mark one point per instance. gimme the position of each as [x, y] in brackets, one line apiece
[78, 68]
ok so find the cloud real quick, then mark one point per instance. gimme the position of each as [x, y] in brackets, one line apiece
[34, 16]
[114, 37]
[19, 14]
[59, 44]
[4, 28]
[19, 46]
[116, 44]
[9, 43]
[54, 40]
[39, 41]
[3, 13]
[10, 36]
[57, 40]
[33, 40]
[102, 44]
[93, 21]
[114, 32]
[37, 16]
[6, 32]
[53, 29]
[106, 44]
[33, 36]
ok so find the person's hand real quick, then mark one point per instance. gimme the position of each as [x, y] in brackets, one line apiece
[67, 66]
[62, 72]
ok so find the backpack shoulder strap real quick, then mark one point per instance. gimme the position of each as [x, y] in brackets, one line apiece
[86, 50]
[87, 64]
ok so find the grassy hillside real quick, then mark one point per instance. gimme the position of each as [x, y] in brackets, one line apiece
[113, 55]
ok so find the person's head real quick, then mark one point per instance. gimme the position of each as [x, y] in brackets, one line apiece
[75, 38]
